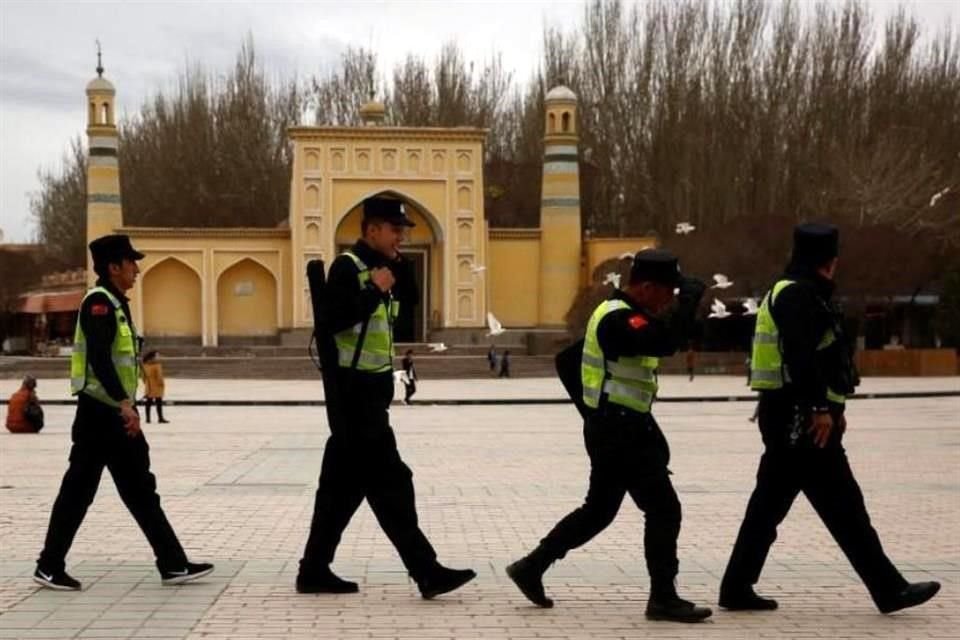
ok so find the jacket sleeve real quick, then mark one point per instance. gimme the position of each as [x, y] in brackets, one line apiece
[346, 303]
[801, 322]
[629, 333]
[99, 323]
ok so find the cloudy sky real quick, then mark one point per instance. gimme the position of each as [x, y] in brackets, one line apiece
[47, 55]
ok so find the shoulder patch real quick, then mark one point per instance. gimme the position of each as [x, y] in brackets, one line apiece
[99, 309]
[637, 321]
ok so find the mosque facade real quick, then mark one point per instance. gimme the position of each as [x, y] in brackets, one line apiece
[221, 286]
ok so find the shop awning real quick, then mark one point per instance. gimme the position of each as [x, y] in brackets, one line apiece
[54, 302]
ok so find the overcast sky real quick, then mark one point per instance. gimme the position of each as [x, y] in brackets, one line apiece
[47, 56]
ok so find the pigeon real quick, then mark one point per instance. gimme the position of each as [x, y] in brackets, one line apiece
[718, 310]
[721, 281]
[613, 278]
[683, 228]
[437, 347]
[496, 328]
[750, 307]
[936, 197]
[478, 268]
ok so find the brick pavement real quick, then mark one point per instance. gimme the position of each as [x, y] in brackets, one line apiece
[237, 484]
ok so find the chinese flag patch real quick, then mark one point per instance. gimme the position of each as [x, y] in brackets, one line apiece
[637, 321]
[99, 309]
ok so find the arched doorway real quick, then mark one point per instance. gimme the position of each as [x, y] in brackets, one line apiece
[172, 303]
[422, 302]
[246, 303]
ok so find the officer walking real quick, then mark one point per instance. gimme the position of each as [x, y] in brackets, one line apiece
[625, 337]
[802, 367]
[106, 429]
[361, 458]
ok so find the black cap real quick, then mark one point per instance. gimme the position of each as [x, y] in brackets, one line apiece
[386, 209]
[815, 244]
[655, 265]
[113, 249]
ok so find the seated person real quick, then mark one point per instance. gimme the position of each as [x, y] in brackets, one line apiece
[24, 414]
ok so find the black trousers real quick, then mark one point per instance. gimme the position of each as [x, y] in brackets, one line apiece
[99, 440]
[149, 402]
[409, 389]
[824, 476]
[628, 454]
[366, 464]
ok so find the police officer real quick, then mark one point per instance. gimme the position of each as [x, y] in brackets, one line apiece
[625, 337]
[106, 429]
[361, 458]
[802, 367]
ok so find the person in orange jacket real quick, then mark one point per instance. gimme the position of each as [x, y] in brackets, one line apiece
[24, 414]
[152, 374]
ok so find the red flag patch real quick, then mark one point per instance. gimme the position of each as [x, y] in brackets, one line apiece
[99, 309]
[637, 321]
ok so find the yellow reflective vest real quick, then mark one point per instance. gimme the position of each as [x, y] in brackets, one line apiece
[123, 354]
[376, 348]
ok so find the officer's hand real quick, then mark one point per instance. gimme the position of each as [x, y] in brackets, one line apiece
[690, 290]
[382, 278]
[131, 419]
[821, 427]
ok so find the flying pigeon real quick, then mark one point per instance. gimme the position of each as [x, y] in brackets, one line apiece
[478, 268]
[938, 195]
[721, 281]
[750, 307]
[683, 228]
[613, 278]
[437, 347]
[496, 328]
[718, 310]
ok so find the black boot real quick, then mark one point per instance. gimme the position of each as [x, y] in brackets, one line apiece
[912, 595]
[527, 574]
[665, 604]
[323, 580]
[440, 580]
[160, 412]
[745, 599]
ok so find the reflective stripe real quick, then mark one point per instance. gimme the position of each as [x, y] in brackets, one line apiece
[367, 360]
[592, 360]
[765, 338]
[835, 397]
[634, 372]
[770, 375]
[620, 390]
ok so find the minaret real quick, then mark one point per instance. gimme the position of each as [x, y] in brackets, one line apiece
[104, 215]
[560, 232]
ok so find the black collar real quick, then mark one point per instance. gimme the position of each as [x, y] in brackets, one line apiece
[620, 294]
[823, 286]
[370, 256]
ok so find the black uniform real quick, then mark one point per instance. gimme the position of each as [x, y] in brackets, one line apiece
[628, 452]
[361, 458]
[100, 440]
[792, 463]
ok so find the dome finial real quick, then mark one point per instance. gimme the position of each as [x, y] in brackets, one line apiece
[99, 62]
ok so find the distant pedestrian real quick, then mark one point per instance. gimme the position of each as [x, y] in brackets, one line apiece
[505, 364]
[410, 376]
[492, 359]
[152, 374]
[691, 361]
[24, 413]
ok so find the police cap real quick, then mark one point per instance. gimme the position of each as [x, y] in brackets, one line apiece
[386, 210]
[113, 248]
[815, 244]
[655, 265]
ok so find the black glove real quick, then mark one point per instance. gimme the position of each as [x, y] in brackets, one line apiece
[690, 292]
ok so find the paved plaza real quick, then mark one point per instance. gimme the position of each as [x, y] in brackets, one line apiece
[238, 484]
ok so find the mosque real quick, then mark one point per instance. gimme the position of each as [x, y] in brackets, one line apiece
[240, 285]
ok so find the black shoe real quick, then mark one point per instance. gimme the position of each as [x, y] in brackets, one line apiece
[187, 573]
[676, 609]
[442, 580]
[324, 581]
[745, 600]
[59, 580]
[913, 594]
[529, 579]
[164, 421]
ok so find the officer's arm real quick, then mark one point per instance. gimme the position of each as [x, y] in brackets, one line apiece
[346, 303]
[99, 323]
[801, 324]
[628, 333]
